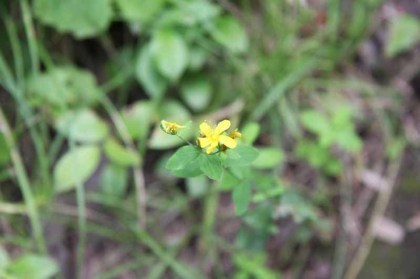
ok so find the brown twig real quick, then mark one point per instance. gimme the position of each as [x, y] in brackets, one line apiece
[378, 211]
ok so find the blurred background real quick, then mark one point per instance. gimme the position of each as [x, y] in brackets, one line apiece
[326, 90]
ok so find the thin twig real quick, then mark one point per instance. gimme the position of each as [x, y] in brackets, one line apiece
[378, 211]
[141, 195]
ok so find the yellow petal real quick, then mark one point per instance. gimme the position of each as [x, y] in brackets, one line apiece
[222, 126]
[203, 142]
[211, 148]
[228, 141]
[205, 129]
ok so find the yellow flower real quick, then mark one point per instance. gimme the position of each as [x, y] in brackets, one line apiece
[171, 128]
[235, 134]
[212, 138]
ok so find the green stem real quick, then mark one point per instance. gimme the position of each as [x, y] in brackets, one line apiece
[81, 219]
[24, 184]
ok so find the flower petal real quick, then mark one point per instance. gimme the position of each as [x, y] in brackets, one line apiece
[205, 129]
[228, 141]
[222, 126]
[203, 142]
[211, 147]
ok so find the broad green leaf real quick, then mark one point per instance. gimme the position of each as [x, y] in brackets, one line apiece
[250, 132]
[121, 155]
[348, 140]
[242, 155]
[75, 166]
[404, 34]
[82, 126]
[138, 118]
[197, 58]
[82, 18]
[142, 11]
[268, 157]
[170, 52]
[211, 165]
[229, 181]
[192, 169]
[315, 122]
[196, 93]
[32, 266]
[241, 197]
[148, 75]
[182, 157]
[198, 11]
[230, 34]
[63, 88]
[114, 181]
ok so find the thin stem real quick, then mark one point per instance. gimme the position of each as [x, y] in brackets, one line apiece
[81, 217]
[141, 195]
[378, 211]
[24, 184]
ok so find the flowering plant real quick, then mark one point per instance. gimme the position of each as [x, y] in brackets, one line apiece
[217, 154]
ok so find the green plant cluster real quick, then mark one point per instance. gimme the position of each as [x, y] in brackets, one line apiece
[85, 84]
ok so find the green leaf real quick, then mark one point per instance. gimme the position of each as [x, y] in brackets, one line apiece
[82, 126]
[121, 155]
[241, 197]
[138, 118]
[268, 158]
[230, 34]
[114, 181]
[196, 93]
[198, 57]
[242, 155]
[148, 75]
[404, 34]
[199, 11]
[170, 52]
[182, 157]
[80, 17]
[143, 11]
[63, 88]
[211, 165]
[75, 166]
[315, 122]
[32, 266]
[250, 132]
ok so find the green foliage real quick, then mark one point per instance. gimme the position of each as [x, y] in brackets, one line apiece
[241, 196]
[148, 75]
[268, 157]
[75, 166]
[142, 11]
[82, 126]
[170, 53]
[404, 33]
[63, 87]
[121, 155]
[81, 18]
[196, 92]
[114, 181]
[253, 266]
[229, 33]
[32, 266]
